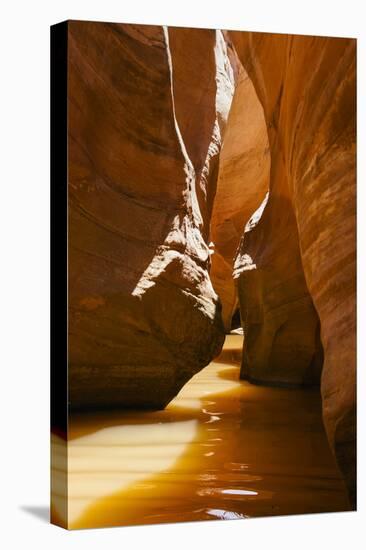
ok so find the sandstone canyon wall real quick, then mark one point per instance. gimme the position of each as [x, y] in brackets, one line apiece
[301, 248]
[143, 315]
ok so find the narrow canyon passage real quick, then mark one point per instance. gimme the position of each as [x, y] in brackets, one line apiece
[222, 449]
[211, 178]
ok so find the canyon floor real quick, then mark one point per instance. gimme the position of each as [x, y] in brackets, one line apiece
[222, 449]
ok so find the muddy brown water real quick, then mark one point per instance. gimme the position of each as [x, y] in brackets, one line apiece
[222, 449]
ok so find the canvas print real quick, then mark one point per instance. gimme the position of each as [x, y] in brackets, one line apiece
[203, 274]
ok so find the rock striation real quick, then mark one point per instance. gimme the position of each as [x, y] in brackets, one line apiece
[302, 247]
[146, 114]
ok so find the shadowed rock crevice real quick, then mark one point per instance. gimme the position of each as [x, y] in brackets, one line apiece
[242, 184]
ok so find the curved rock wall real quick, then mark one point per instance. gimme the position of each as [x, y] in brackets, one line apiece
[307, 89]
[143, 316]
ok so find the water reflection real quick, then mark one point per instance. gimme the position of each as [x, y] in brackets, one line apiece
[221, 449]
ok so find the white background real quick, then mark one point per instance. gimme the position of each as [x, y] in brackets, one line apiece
[24, 274]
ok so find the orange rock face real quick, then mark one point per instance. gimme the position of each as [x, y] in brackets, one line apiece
[307, 88]
[143, 316]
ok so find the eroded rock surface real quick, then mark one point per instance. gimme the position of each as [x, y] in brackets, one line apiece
[143, 316]
[307, 88]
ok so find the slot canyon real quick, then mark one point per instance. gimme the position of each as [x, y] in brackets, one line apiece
[212, 275]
